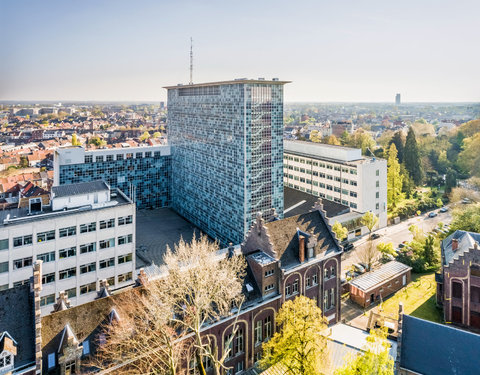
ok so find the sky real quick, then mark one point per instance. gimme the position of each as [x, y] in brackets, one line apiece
[332, 51]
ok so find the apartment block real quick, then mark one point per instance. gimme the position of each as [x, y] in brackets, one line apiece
[227, 149]
[339, 174]
[142, 173]
[86, 234]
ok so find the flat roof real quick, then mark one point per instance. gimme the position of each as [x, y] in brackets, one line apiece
[381, 275]
[79, 188]
[231, 82]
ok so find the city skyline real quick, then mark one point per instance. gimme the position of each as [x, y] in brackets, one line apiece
[349, 52]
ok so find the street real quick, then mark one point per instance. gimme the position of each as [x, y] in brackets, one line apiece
[396, 234]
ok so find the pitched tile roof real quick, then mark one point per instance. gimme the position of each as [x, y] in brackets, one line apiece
[451, 351]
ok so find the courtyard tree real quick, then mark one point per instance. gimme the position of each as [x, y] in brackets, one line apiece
[368, 253]
[339, 230]
[162, 324]
[375, 359]
[299, 347]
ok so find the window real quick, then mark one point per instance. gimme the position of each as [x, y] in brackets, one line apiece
[105, 263]
[71, 293]
[22, 241]
[47, 300]
[88, 247]
[5, 362]
[377, 206]
[70, 367]
[46, 236]
[125, 277]
[332, 271]
[119, 156]
[86, 347]
[332, 297]
[21, 263]
[239, 367]
[377, 184]
[67, 253]
[107, 223]
[48, 278]
[377, 195]
[66, 274]
[239, 341]
[457, 289]
[325, 301]
[295, 287]
[268, 327]
[4, 244]
[228, 345]
[269, 287]
[99, 159]
[51, 360]
[377, 173]
[269, 272]
[20, 283]
[353, 194]
[105, 244]
[353, 183]
[90, 267]
[124, 258]
[138, 155]
[314, 279]
[91, 227]
[257, 333]
[125, 220]
[125, 239]
[3, 267]
[308, 281]
[353, 171]
[47, 257]
[88, 288]
[67, 232]
[288, 289]
[109, 157]
[4, 287]
[325, 273]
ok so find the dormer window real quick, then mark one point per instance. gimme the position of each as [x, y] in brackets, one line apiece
[6, 361]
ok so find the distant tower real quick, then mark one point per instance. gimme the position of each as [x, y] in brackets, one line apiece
[397, 99]
[191, 61]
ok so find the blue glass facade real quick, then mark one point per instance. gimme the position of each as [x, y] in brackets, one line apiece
[227, 154]
[144, 174]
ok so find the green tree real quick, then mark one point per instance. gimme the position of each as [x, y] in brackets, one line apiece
[298, 345]
[412, 158]
[23, 162]
[75, 141]
[398, 140]
[339, 230]
[374, 360]
[386, 248]
[97, 141]
[331, 140]
[469, 158]
[429, 253]
[467, 218]
[157, 134]
[145, 136]
[394, 179]
[450, 180]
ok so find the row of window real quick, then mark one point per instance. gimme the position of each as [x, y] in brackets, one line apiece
[84, 289]
[311, 280]
[320, 164]
[316, 183]
[128, 155]
[65, 232]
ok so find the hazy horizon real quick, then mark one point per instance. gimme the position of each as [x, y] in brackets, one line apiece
[334, 52]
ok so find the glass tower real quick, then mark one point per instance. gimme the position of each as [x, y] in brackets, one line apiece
[227, 154]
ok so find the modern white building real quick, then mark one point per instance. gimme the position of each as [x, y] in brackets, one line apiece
[85, 235]
[340, 174]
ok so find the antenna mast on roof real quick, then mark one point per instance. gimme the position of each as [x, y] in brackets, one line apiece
[191, 61]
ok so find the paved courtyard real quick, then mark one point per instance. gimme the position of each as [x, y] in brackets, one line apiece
[155, 230]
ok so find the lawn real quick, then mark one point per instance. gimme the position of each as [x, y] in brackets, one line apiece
[418, 299]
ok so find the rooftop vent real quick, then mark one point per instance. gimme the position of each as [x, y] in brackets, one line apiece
[34, 205]
[274, 79]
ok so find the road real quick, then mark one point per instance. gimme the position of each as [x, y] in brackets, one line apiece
[396, 234]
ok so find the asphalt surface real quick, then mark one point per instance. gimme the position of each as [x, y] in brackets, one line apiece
[396, 233]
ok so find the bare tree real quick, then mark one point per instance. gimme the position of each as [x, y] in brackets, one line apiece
[164, 323]
[369, 253]
[202, 289]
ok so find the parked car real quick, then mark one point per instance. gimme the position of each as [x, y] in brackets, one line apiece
[432, 214]
[348, 246]
[364, 265]
[351, 274]
[388, 257]
[466, 201]
[358, 268]
[443, 209]
[375, 236]
[401, 245]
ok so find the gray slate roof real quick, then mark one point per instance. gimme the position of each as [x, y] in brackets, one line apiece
[385, 272]
[466, 240]
[430, 348]
[80, 188]
[292, 197]
[16, 317]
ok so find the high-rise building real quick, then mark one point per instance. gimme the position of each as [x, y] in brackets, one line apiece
[397, 99]
[227, 152]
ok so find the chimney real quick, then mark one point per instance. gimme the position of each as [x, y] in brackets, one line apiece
[37, 288]
[301, 248]
[454, 244]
